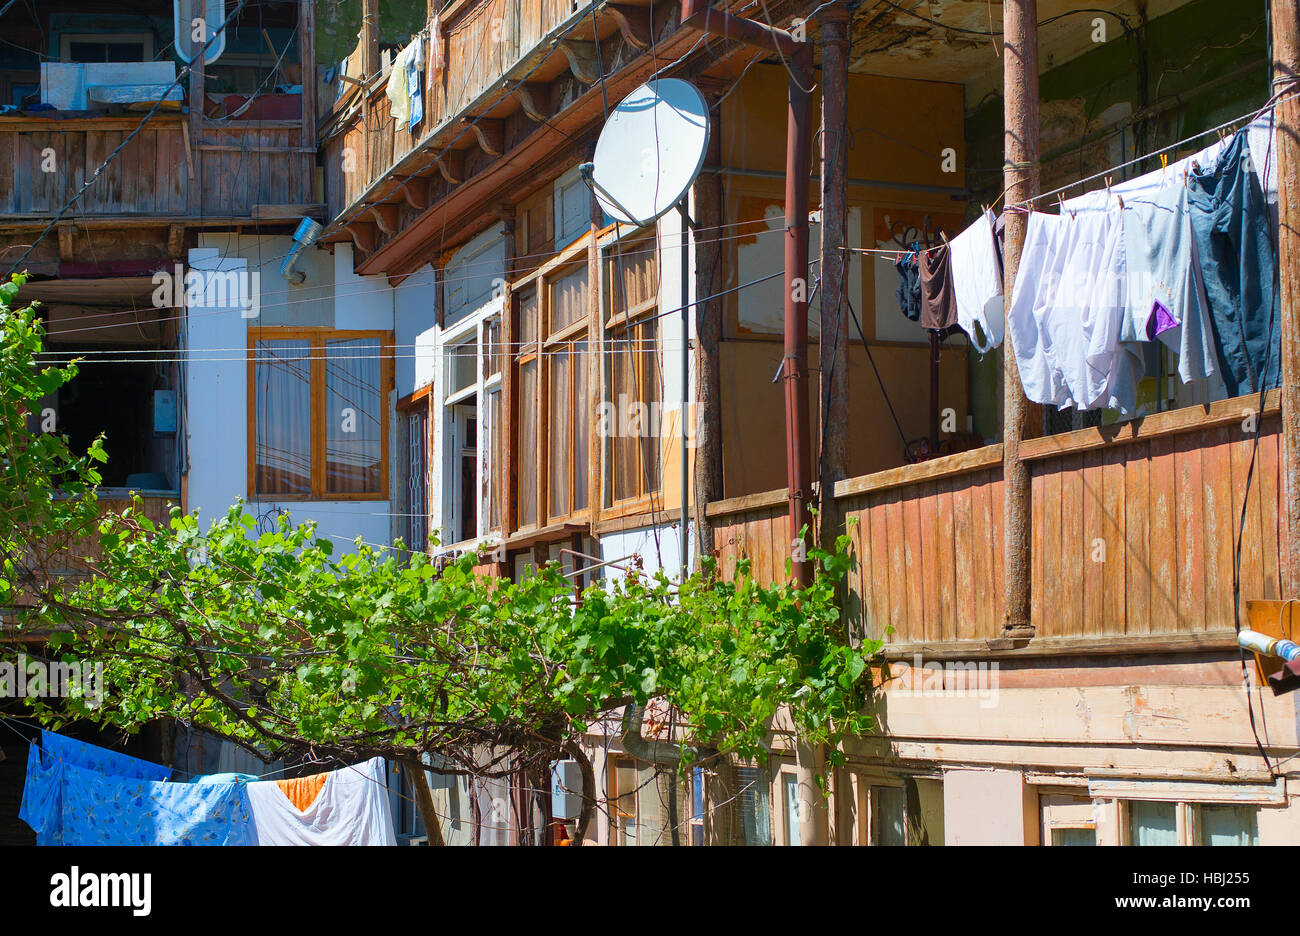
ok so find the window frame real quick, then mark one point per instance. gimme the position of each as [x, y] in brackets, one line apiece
[317, 339]
[540, 349]
[644, 311]
[419, 403]
[474, 328]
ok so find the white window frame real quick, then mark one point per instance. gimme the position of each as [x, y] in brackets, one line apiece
[474, 329]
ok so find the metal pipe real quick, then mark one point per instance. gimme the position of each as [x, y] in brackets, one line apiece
[684, 249]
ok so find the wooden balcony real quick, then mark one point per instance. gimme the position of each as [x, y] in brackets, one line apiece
[241, 170]
[488, 42]
[1134, 531]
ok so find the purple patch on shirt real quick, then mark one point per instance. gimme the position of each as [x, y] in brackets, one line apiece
[1160, 320]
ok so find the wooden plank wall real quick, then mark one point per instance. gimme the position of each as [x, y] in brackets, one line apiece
[1137, 538]
[149, 177]
[929, 559]
[254, 166]
[1135, 529]
[236, 168]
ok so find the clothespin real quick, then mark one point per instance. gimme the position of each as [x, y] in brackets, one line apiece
[1164, 161]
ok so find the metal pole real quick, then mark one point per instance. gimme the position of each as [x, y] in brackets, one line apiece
[798, 431]
[686, 382]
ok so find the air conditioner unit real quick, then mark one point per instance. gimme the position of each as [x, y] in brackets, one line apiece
[566, 790]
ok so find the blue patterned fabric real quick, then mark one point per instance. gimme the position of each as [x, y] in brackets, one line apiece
[68, 804]
[93, 757]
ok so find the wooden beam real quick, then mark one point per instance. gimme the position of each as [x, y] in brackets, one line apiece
[634, 23]
[386, 216]
[1286, 71]
[369, 39]
[364, 236]
[307, 58]
[452, 166]
[66, 232]
[490, 134]
[416, 192]
[1020, 418]
[175, 241]
[534, 98]
[582, 60]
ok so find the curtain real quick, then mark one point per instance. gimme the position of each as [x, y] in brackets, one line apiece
[282, 375]
[353, 416]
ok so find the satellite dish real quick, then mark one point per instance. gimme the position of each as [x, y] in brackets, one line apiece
[651, 150]
[200, 18]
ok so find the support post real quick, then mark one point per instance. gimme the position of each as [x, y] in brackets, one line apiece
[707, 199]
[1021, 419]
[834, 346]
[369, 42]
[1286, 70]
[307, 61]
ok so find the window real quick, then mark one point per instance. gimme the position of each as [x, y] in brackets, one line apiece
[634, 380]
[622, 796]
[471, 417]
[1068, 819]
[790, 786]
[1190, 823]
[754, 795]
[697, 806]
[572, 209]
[554, 410]
[911, 814]
[91, 48]
[1226, 825]
[416, 525]
[318, 411]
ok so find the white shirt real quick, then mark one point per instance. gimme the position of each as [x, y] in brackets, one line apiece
[977, 283]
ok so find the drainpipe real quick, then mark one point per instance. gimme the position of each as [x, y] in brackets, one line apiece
[797, 57]
[797, 54]
[306, 234]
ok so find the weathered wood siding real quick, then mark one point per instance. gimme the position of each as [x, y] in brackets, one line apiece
[1136, 537]
[236, 167]
[1134, 533]
[483, 41]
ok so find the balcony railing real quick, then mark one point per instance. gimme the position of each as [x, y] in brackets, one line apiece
[1134, 534]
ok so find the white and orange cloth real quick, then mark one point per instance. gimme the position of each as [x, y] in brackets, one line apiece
[348, 806]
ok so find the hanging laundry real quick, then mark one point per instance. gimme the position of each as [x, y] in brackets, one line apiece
[938, 299]
[42, 804]
[977, 283]
[398, 87]
[1234, 244]
[343, 807]
[66, 804]
[909, 286]
[415, 81]
[1066, 314]
[1165, 296]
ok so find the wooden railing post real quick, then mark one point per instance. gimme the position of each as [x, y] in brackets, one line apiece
[1020, 419]
[1286, 69]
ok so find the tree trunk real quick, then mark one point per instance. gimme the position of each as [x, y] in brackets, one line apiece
[415, 772]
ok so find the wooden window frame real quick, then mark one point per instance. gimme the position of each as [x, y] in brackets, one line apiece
[613, 794]
[422, 400]
[632, 237]
[317, 337]
[541, 279]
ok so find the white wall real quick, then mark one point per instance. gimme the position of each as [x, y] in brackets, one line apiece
[216, 391]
